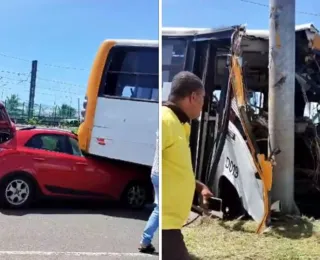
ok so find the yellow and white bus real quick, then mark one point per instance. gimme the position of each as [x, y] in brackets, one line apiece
[228, 155]
[121, 104]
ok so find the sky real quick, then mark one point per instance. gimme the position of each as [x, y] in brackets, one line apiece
[59, 34]
[221, 13]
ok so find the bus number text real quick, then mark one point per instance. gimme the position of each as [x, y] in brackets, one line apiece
[232, 167]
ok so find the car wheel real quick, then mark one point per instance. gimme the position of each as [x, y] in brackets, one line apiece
[135, 196]
[17, 192]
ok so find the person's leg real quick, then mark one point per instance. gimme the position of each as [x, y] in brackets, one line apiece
[155, 182]
[153, 222]
[173, 246]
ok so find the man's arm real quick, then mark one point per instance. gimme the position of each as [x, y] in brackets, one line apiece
[199, 186]
[203, 190]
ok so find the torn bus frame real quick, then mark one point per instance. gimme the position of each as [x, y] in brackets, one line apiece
[205, 53]
[306, 90]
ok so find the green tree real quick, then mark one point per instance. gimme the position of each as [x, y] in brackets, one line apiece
[12, 104]
[66, 111]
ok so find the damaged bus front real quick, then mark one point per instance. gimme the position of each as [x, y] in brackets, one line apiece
[228, 150]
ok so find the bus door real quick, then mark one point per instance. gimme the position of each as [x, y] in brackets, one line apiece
[196, 53]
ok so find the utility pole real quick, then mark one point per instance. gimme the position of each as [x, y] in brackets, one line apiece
[282, 47]
[79, 114]
[32, 88]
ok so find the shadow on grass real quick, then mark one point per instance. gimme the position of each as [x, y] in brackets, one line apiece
[235, 226]
[289, 228]
[293, 228]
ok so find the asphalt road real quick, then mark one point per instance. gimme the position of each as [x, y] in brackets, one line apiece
[72, 231]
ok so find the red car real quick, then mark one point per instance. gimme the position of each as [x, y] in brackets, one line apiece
[48, 162]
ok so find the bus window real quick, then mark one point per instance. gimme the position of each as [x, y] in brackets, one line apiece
[173, 57]
[132, 72]
[128, 91]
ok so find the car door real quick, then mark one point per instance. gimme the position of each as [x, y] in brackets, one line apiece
[55, 171]
[92, 180]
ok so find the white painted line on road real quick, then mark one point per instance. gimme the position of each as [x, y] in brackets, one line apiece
[46, 253]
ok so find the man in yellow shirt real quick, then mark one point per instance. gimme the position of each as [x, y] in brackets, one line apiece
[185, 103]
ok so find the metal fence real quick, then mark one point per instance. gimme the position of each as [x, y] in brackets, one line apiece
[43, 114]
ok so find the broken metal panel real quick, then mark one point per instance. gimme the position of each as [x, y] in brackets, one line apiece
[308, 26]
[255, 55]
[209, 32]
[265, 33]
[252, 37]
[264, 166]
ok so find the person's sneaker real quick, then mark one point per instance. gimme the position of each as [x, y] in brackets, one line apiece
[149, 249]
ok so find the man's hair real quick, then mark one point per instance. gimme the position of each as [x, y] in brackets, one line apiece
[183, 85]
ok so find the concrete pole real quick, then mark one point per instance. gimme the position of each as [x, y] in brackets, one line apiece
[32, 91]
[281, 99]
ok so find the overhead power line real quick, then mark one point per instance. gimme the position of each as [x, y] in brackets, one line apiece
[20, 81]
[26, 90]
[45, 64]
[15, 73]
[60, 82]
[63, 67]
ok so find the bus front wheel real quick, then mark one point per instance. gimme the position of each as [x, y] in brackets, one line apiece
[231, 203]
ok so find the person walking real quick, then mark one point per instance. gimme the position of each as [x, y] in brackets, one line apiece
[184, 104]
[153, 222]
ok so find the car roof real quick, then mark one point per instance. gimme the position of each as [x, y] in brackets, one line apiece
[25, 133]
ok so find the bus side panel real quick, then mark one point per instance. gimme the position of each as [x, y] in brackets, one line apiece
[236, 164]
[85, 129]
[125, 130]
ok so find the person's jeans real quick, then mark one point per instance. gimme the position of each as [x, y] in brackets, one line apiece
[153, 222]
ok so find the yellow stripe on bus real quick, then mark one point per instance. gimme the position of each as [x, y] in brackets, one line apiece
[316, 42]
